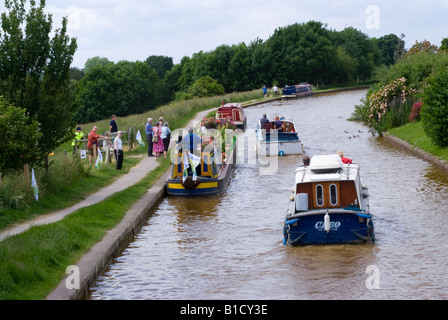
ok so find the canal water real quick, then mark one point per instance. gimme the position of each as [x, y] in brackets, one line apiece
[230, 247]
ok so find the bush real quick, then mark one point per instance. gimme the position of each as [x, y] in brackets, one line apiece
[206, 87]
[415, 114]
[435, 108]
[389, 106]
[19, 136]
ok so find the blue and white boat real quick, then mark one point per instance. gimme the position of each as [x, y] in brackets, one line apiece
[329, 205]
[282, 142]
[297, 91]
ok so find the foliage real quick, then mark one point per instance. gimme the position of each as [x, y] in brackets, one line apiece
[19, 136]
[393, 95]
[206, 87]
[295, 53]
[444, 46]
[35, 70]
[422, 46]
[161, 64]
[415, 114]
[392, 48]
[122, 89]
[94, 62]
[435, 108]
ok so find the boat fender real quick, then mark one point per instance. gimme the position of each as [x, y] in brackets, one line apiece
[190, 184]
[327, 223]
[291, 222]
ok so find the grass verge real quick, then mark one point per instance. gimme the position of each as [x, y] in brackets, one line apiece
[32, 264]
[66, 196]
[414, 134]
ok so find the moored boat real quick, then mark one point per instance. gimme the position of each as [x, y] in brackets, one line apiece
[286, 138]
[297, 91]
[233, 112]
[329, 206]
[200, 167]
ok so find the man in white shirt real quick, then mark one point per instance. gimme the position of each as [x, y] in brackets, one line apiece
[118, 150]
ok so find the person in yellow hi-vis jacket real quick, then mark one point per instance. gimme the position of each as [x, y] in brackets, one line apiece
[79, 135]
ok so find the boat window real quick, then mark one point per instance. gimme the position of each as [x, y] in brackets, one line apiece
[333, 194]
[320, 195]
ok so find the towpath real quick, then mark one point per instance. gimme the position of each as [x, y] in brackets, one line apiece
[134, 176]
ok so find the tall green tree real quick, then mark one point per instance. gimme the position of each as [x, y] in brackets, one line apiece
[35, 70]
[122, 89]
[95, 61]
[162, 64]
[363, 49]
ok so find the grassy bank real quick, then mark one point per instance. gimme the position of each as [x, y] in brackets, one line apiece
[414, 134]
[32, 264]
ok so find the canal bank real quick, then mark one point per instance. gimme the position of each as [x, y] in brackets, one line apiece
[416, 151]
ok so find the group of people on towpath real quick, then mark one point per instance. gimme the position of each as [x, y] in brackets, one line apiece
[158, 137]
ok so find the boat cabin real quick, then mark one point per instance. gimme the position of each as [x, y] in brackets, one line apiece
[300, 90]
[289, 126]
[328, 184]
[234, 112]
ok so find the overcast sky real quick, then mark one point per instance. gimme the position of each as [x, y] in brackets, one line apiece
[135, 29]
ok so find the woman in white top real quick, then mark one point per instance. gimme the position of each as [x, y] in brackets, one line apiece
[118, 149]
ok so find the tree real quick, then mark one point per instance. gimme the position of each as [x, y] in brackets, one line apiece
[390, 46]
[422, 47]
[206, 87]
[35, 70]
[122, 89]
[93, 62]
[444, 46]
[363, 49]
[434, 112]
[19, 138]
[162, 64]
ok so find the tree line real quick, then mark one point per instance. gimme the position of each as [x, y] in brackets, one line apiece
[307, 52]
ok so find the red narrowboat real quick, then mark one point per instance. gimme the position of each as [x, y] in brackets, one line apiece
[233, 112]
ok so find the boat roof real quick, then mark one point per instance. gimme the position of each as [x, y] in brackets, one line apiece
[327, 168]
[232, 106]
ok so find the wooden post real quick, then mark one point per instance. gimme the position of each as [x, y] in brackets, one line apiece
[95, 154]
[108, 159]
[26, 176]
[130, 138]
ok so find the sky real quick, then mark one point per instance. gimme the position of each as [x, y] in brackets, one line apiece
[136, 29]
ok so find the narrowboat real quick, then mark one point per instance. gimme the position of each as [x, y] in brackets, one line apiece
[287, 139]
[330, 205]
[297, 91]
[233, 112]
[200, 167]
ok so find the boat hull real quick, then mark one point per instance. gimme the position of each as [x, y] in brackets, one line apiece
[286, 148]
[285, 144]
[341, 228]
[203, 185]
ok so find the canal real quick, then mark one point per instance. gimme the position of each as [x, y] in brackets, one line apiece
[229, 247]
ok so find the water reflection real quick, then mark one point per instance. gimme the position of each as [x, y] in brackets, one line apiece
[230, 247]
